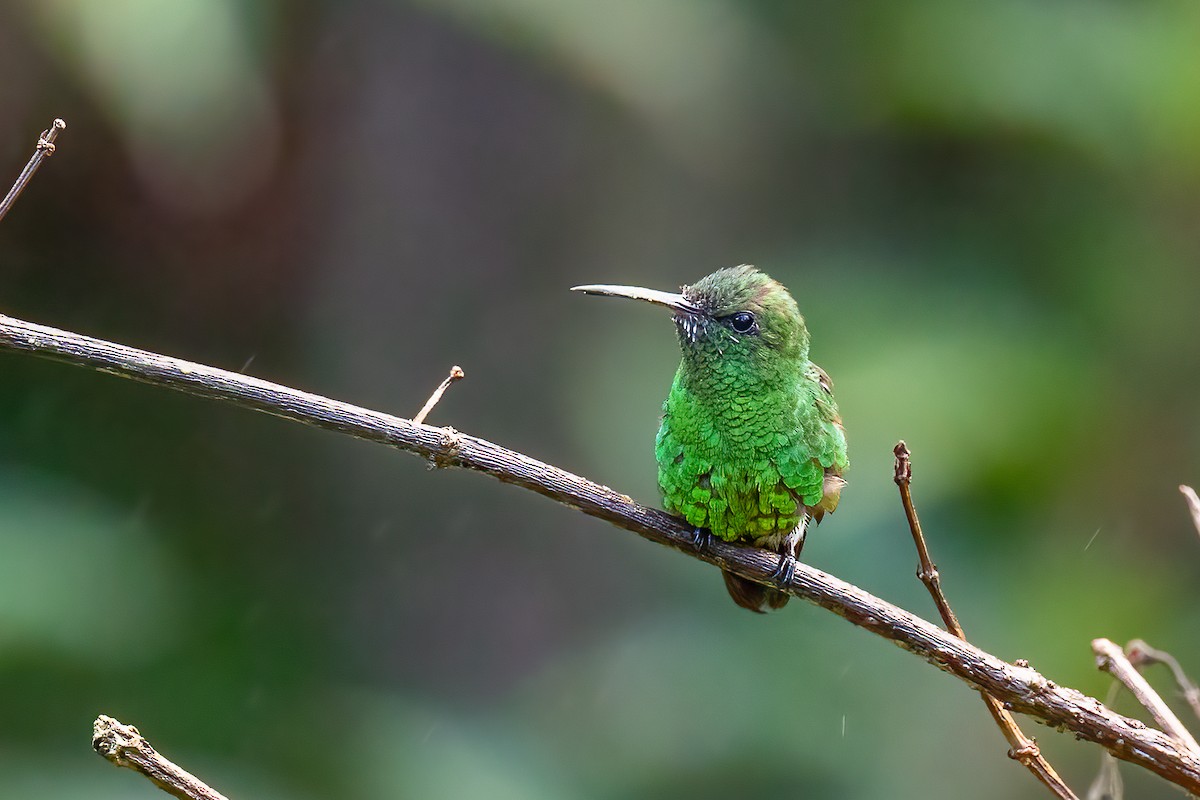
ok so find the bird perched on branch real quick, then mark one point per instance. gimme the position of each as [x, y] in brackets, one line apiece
[751, 447]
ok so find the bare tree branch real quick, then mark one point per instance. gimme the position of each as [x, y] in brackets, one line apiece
[124, 746]
[1018, 687]
[1111, 658]
[1021, 747]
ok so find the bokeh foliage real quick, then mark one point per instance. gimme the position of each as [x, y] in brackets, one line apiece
[987, 212]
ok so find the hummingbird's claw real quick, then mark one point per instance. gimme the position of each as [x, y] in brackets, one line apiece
[784, 573]
[701, 539]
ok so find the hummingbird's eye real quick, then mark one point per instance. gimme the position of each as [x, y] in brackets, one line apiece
[743, 322]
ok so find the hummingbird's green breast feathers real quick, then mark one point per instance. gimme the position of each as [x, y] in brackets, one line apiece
[749, 466]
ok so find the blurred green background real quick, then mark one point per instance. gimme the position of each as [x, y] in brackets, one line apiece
[988, 213]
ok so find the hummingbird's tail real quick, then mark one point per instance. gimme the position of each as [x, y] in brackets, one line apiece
[753, 596]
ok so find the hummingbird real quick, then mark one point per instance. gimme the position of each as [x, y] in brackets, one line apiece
[751, 447]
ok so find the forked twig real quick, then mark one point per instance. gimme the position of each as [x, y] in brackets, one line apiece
[456, 374]
[1112, 659]
[1021, 747]
[124, 746]
[1141, 654]
[45, 149]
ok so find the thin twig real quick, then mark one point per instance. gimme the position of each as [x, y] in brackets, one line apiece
[1111, 659]
[45, 149]
[926, 569]
[1108, 784]
[1021, 747]
[1141, 654]
[1020, 687]
[456, 374]
[1193, 504]
[124, 746]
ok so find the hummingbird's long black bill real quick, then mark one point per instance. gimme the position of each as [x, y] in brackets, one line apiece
[671, 300]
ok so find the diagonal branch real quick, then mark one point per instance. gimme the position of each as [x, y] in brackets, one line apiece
[124, 746]
[1021, 747]
[1019, 687]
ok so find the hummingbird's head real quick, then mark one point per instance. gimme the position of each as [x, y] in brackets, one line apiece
[736, 314]
[743, 309]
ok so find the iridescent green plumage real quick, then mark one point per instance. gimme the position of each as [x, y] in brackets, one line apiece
[751, 445]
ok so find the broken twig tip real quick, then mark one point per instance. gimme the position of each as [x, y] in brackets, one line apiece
[456, 374]
[903, 467]
[123, 746]
[44, 149]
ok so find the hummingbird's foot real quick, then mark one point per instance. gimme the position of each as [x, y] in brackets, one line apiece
[783, 574]
[701, 539]
[793, 543]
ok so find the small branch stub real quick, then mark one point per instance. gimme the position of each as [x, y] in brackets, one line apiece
[456, 374]
[124, 746]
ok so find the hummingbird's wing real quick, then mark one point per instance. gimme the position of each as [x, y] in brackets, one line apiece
[814, 459]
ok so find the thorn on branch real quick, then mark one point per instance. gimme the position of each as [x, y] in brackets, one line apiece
[456, 374]
[125, 746]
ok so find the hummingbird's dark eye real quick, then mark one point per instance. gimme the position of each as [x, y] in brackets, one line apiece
[743, 322]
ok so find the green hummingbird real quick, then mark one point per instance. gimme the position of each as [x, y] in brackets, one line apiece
[751, 447]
